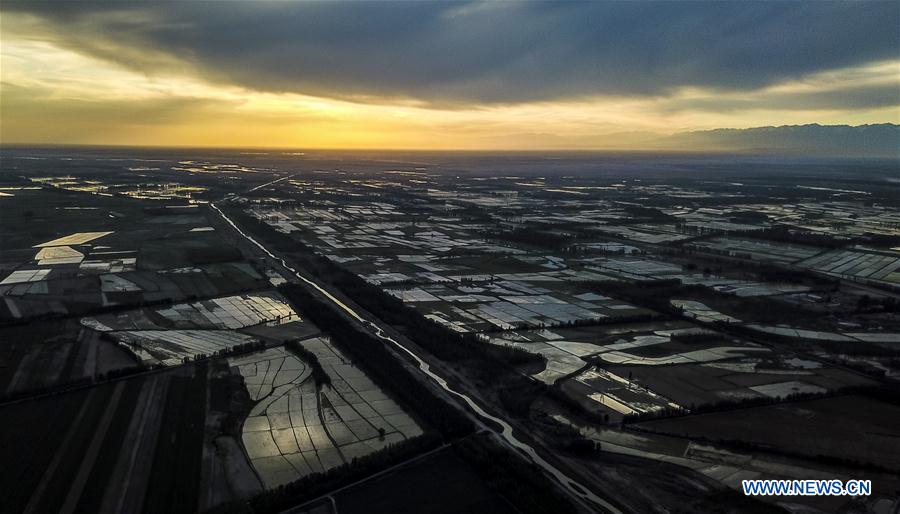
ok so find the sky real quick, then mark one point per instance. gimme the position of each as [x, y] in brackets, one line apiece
[437, 75]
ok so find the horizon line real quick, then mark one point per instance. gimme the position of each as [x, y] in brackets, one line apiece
[781, 152]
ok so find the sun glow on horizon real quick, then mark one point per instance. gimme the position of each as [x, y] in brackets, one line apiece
[51, 94]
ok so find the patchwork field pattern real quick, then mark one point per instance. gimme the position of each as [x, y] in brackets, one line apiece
[171, 334]
[298, 427]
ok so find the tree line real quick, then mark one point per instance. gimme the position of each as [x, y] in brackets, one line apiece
[319, 375]
[370, 354]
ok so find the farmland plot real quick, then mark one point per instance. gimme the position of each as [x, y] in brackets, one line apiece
[617, 393]
[760, 249]
[298, 427]
[133, 445]
[562, 360]
[55, 252]
[168, 335]
[508, 304]
[701, 312]
[869, 435]
[567, 351]
[879, 266]
[170, 347]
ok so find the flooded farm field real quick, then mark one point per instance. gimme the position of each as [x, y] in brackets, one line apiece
[298, 427]
[676, 320]
[68, 253]
[169, 335]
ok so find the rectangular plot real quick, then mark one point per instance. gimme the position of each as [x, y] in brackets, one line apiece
[299, 464]
[347, 413]
[256, 424]
[260, 444]
[373, 396]
[837, 260]
[330, 458]
[400, 420]
[854, 261]
[887, 270]
[280, 420]
[410, 431]
[340, 433]
[311, 417]
[301, 436]
[312, 459]
[385, 407]
[284, 439]
[861, 264]
[319, 437]
[362, 429]
[275, 471]
[381, 423]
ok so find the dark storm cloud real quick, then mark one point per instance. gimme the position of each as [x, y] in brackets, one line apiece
[472, 52]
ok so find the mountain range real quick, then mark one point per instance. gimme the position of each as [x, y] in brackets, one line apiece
[877, 140]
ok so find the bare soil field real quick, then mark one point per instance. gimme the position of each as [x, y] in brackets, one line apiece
[127, 446]
[854, 428]
[441, 484]
[697, 384]
[55, 352]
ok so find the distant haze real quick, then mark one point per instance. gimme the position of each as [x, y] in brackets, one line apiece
[881, 140]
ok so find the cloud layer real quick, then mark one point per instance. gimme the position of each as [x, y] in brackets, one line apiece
[461, 54]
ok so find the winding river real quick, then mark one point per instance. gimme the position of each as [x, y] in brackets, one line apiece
[576, 489]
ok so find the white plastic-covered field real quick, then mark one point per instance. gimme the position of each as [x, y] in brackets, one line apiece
[168, 335]
[296, 428]
[564, 357]
[232, 312]
[817, 335]
[621, 394]
[693, 357]
[27, 275]
[784, 330]
[701, 312]
[509, 302]
[224, 313]
[784, 389]
[883, 266]
[874, 337]
[170, 347]
[561, 359]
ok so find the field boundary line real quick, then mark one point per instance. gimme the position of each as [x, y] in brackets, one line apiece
[90, 457]
[51, 470]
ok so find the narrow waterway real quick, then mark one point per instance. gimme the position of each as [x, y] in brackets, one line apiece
[575, 488]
